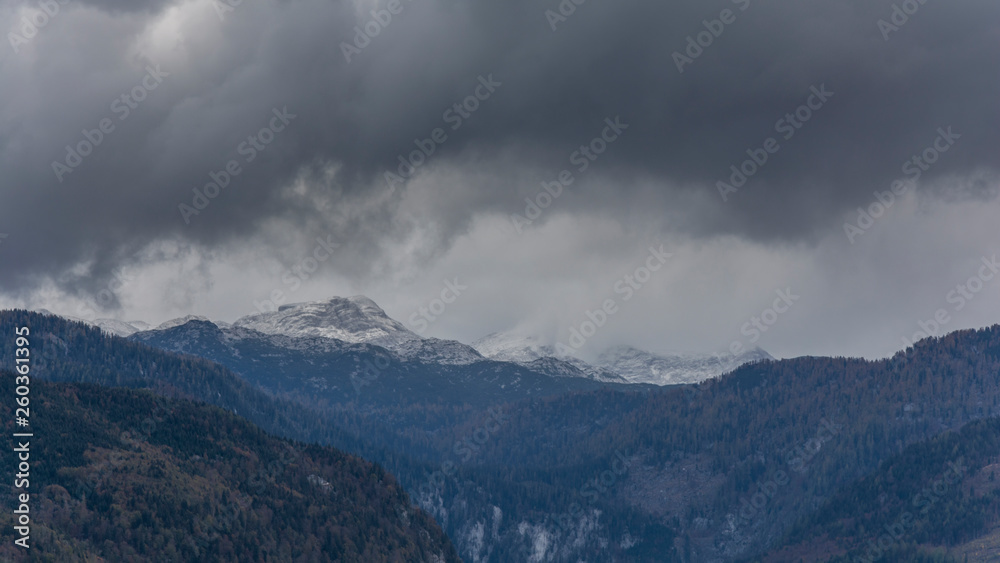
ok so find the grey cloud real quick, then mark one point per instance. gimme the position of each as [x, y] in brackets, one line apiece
[606, 60]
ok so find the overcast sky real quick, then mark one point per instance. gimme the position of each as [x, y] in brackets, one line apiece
[310, 114]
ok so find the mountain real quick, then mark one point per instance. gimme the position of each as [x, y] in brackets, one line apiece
[353, 319]
[529, 352]
[391, 435]
[638, 366]
[510, 347]
[622, 364]
[110, 326]
[600, 473]
[176, 322]
[75, 352]
[119, 328]
[359, 320]
[784, 435]
[325, 371]
[124, 475]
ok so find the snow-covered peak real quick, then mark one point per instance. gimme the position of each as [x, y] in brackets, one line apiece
[528, 351]
[110, 326]
[623, 364]
[433, 350]
[510, 347]
[182, 321]
[639, 366]
[352, 319]
[120, 328]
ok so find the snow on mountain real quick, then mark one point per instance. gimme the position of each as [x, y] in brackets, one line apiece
[110, 326]
[529, 352]
[509, 347]
[434, 350]
[355, 319]
[639, 366]
[120, 328]
[182, 321]
[567, 366]
[622, 364]
[339, 321]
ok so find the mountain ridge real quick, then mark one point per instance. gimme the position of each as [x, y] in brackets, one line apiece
[360, 320]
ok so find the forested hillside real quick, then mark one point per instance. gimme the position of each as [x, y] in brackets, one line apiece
[124, 475]
[75, 352]
[937, 499]
[785, 435]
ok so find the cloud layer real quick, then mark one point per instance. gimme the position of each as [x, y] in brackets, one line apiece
[183, 89]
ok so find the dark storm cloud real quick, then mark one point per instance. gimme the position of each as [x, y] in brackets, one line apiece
[224, 78]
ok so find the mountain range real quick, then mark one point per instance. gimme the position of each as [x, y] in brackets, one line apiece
[789, 460]
[359, 320]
